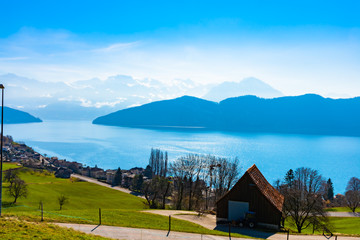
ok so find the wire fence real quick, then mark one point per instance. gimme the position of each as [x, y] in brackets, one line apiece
[41, 211]
[326, 233]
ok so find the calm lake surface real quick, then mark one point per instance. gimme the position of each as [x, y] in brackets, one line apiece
[111, 147]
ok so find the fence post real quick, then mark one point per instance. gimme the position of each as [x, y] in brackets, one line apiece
[169, 226]
[42, 211]
[229, 230]
[99, 216]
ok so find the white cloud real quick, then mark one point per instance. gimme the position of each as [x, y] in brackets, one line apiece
[13, 58]
[48, 95]
[88, 103]
[133, 105]
[294, 66]
[116, 47]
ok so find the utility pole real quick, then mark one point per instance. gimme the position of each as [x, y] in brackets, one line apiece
[1, 145]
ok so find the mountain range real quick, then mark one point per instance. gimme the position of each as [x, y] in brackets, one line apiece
[305, 114]
[248, 86]
[87, 99]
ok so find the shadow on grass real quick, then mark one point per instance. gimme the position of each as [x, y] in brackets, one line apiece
[255, 233]
[6, 204]
[137, 194]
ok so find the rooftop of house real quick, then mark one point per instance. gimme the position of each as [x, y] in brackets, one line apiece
[273, 195]
[266, 188]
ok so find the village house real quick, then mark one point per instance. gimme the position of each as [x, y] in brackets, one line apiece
[63, 173]
[110, 175]
[97, 173]
[127, 179]
[252, 193]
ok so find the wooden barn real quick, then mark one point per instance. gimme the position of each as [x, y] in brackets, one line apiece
[252, 193]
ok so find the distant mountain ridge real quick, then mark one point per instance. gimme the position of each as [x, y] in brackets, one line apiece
[12, 116]
[305, 114]
[87, 99]
[248, 86]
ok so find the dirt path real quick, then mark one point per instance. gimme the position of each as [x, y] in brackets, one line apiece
[150, 234]
[343, 214]
[209, 222]
[92, 180]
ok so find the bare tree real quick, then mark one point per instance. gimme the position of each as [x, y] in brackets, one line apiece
[352, 194]
[18, 188]
[156, 190]
[62, 199]
[10, 175]
[303, 199]
[150, 192]
[224, 175]
[158, 162]
[178, 170]
[193, 172]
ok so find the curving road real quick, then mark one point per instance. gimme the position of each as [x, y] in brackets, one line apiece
[93, 180]
[150, 234]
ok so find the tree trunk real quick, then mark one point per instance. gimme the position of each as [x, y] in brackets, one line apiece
[164, 197]
[190, 194]
[178, 205]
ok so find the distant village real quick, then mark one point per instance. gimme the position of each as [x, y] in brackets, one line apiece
[28, 157]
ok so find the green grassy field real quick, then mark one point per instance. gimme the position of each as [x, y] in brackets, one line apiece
[341, 209]
[85, 199]
[7, 166]
[13, 229]
[338, 225]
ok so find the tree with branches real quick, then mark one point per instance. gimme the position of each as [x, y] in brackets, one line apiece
[18, 188]
[117, 178]
[62, 199]
[303, 203]
[196, 174]
[352, 194]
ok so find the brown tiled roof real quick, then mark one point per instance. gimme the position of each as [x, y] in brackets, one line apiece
[265, 187]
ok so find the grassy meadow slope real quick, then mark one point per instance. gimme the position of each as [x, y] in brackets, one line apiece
[11, 229]
[118, 208]
[85, 199]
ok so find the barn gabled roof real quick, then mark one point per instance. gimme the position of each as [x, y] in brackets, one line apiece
[265, 187]
[271, 194]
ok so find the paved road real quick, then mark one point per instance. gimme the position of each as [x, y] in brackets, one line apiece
[343, 214]
[92, 180]
[208, 221]
[149, 234]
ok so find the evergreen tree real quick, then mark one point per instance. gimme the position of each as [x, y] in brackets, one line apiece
[152, 159]
[117, 178]
[289, 178]
[166, 163]
[329, 189]
[161, 161]
[148, 172]
[139, 182]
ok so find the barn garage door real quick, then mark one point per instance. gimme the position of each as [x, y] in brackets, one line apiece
[237, 210]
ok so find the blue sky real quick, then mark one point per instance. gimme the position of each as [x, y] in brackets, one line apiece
[295, 46]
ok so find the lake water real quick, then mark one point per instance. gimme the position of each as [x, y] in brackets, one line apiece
[111, 147]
